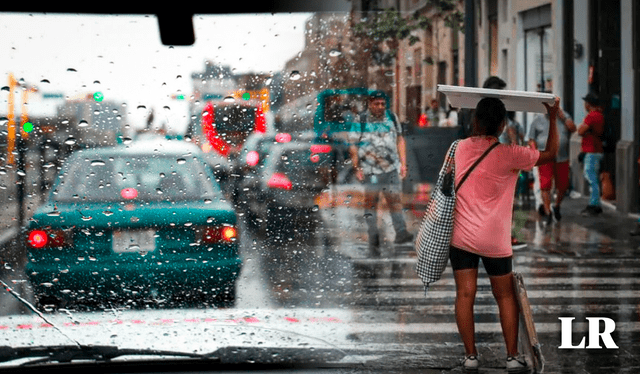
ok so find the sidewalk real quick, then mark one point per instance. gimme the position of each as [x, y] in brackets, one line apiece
[574, 235]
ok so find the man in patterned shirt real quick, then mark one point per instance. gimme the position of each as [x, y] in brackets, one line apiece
[379, 158]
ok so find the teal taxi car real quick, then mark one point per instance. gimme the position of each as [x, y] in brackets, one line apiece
[135, 223]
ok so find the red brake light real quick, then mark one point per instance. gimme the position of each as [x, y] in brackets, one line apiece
[229, 233]
[320, 148]
[129, 193]
[219, 234]
[283, 137]
[253, 158]
[38, 239]
[279, 180]
[48, 239]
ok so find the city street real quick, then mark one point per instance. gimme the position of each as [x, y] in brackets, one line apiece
[580, 267]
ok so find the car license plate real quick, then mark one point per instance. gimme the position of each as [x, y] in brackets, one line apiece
[134, 241]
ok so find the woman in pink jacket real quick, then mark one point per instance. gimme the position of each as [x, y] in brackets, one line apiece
[482, 225]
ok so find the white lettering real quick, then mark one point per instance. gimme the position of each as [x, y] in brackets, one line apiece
[594, 333]
[565, 334]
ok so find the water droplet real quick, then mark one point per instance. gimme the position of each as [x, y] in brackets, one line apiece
[181, 161]
[335, 53]
[295, 75]
[72, 70]
[107, 213]
[229, 99]
[83, 123]
[97, 163]
[54, 213]
[70, 141]
[5, 88]
[142, 107]
[45, 81]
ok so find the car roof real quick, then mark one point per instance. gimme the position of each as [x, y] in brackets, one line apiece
[155, 146]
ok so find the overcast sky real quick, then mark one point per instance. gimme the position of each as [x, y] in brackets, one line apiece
[122, 56]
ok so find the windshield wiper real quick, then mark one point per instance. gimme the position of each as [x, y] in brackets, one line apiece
[68, 353]
[225, 355]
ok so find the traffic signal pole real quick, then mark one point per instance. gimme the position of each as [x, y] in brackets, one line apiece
[18, 142]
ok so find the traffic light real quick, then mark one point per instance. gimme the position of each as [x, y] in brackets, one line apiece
[27, 127]
[98, 96]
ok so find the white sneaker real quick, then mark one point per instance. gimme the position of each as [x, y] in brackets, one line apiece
[470, 364]
[517, 364]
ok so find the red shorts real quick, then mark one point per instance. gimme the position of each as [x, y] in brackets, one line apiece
[554, 170]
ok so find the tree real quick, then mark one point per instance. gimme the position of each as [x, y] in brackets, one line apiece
[390, 27]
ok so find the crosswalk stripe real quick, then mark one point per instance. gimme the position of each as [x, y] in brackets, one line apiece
[484, 281]
[533, 294]
[480, 327]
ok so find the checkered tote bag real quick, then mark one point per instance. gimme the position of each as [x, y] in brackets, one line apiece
[434, 237]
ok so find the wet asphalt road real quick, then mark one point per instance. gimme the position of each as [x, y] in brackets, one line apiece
[580, 267]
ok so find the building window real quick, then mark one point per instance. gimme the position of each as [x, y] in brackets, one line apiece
[417, 63]
[539, 60]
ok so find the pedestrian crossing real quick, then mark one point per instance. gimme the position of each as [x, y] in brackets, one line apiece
[395, 311]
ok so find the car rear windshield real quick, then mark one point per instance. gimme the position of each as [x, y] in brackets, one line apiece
[303, 161]
[141, 178]
[235, 118]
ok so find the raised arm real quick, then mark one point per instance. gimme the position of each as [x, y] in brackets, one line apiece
[551, 149]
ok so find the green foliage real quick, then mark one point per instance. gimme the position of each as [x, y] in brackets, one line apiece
[391, 25]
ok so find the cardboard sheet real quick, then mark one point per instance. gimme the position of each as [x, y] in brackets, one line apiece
[519, 101]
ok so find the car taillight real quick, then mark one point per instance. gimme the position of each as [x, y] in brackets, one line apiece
[48, 239]
[218, 234]
[283, 137]
[279, 180]
[320, 148]
[253, 158]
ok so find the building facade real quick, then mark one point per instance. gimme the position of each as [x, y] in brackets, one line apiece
[569, 48]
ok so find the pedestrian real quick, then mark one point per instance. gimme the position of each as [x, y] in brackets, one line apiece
[436, 116]
[379, 159]
[482, 225]
[513, 132]
[558, 169]
[451, 118]
[591, 131]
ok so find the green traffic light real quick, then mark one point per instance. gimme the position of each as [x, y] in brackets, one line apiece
[246, 96]
[27, 127]
[98, 96]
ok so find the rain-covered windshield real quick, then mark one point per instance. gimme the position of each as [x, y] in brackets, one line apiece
[137, 177]
[258, 194]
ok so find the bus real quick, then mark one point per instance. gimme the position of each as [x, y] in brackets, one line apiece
[222, 129]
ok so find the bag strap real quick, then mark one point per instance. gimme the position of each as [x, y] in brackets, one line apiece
[476, 164]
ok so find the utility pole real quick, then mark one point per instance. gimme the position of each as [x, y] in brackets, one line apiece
[18, 142]
[11, 125]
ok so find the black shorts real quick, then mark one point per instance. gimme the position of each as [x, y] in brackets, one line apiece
[461, 259]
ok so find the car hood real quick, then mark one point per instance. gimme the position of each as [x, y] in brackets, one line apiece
[194, 331]
[133, 214]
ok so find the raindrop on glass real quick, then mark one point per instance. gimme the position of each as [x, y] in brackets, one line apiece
[295, 75]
